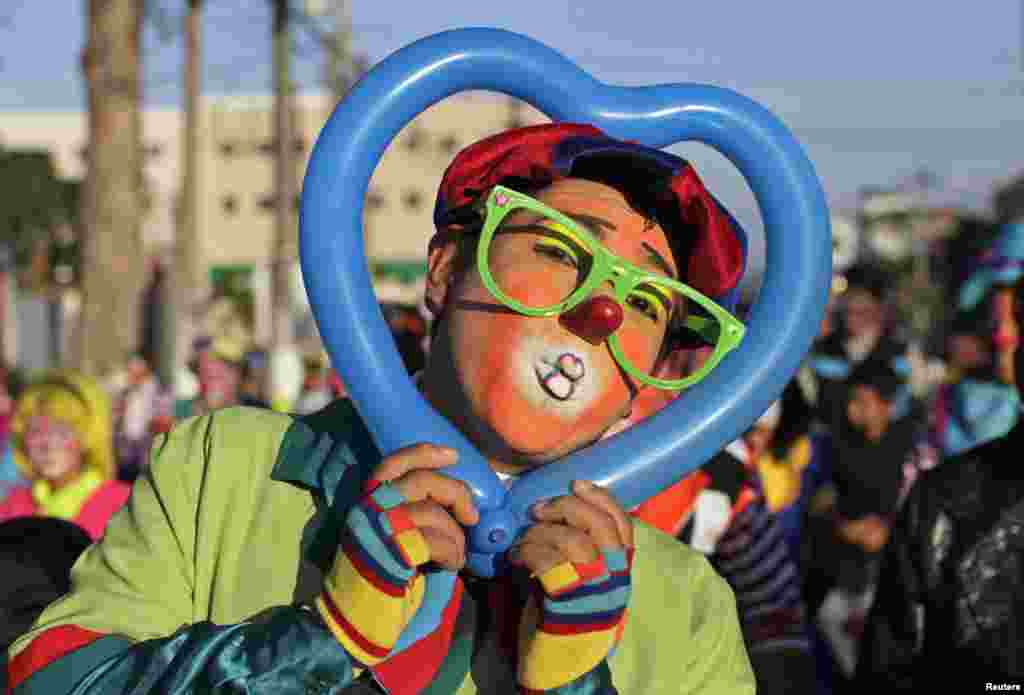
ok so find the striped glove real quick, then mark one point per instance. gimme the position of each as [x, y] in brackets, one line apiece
[374, 588]
[580, 620]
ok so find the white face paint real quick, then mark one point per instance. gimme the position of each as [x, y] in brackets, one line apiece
[558, 376]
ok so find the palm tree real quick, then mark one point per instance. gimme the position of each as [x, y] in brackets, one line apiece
[112, 202]
[188, 284]
[285, 228]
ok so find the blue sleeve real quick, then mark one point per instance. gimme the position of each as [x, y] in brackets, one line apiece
[282, 651]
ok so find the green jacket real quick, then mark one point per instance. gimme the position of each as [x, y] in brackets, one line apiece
[206, 575]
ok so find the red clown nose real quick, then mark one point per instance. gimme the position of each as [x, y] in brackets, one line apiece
[595, 319]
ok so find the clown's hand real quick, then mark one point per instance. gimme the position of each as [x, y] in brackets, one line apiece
[581, 552]
[409, 516]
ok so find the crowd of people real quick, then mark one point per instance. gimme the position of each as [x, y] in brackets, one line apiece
[71, 447]
[866, 530]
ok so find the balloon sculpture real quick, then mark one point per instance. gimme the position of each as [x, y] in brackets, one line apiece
[635, 464]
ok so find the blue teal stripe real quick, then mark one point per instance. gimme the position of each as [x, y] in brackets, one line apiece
[63, 675]
[372, 547]
[597, 603]
[387, 497]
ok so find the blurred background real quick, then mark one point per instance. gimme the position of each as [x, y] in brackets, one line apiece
[151, 161]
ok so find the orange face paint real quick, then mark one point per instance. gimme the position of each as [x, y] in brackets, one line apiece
[541, 388]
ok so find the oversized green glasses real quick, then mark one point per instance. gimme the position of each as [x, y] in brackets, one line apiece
[574, 264]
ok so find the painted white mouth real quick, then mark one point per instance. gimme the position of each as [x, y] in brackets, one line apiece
[554, 381]
[567, 387]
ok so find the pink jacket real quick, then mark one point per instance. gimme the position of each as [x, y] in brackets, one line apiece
[97, 510]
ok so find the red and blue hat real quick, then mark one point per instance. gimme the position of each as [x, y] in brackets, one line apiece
[706, 240]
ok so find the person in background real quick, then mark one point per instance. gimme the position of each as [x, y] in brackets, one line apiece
[36, 555]
[10, 476]
[316, 390]
[409, 329]
[981, 402]
[992, 282]
[141, 404]
[253, 388]
[63, 445]
[218, 366]
[861, 335]
[790, 459]
[845, 538]
[974, 405]
[720, 511]
[950, 602]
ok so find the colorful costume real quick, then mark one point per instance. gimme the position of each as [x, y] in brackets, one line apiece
[205, 579]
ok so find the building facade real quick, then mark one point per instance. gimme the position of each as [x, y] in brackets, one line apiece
[236, 186]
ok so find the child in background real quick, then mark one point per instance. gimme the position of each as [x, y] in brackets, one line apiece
[845, 540]
[63, 445]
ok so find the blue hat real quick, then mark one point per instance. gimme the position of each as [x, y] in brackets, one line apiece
[1002, 264]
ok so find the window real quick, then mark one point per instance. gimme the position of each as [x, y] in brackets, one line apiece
[230, 204]
[415, 140]
[413, 200]
[449, 144]
[267, 202]
[228, 149]
[299, 145]
[267, 147]
[375, 200]
[153, 151]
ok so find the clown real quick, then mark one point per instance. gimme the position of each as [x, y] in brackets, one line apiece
[63, 445]
[280, 554]
[981, 403]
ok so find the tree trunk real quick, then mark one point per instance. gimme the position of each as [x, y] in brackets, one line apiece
[112, 264]
[189, 285]
[285, 244]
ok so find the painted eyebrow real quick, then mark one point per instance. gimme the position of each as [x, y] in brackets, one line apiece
[657, 259]
[596, 226]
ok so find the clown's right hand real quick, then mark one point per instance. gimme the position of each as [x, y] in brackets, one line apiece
[409, 516]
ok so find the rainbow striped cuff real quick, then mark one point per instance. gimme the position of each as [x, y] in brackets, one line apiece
[373, 590]
[579, 621]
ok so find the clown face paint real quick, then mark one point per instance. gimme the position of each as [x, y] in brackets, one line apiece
[529, 389]
[53, 450]
[558, 377]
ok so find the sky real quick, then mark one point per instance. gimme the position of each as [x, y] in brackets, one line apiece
[874, 90]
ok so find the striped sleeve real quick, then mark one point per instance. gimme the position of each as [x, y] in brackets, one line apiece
[754, 559]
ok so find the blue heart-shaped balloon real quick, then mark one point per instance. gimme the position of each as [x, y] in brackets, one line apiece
[644, 460]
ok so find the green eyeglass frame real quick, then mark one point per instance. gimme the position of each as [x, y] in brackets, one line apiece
[721, 329]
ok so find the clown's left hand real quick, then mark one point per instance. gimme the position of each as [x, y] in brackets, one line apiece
[581, 550]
